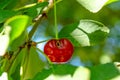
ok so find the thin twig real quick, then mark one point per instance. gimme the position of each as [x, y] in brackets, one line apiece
[41, 41]
[40, 17]
[12, 59]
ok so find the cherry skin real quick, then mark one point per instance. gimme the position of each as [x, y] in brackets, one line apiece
[59, 50]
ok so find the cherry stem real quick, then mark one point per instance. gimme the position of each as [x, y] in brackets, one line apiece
[55, 20]
[41, 41]
[43, 54]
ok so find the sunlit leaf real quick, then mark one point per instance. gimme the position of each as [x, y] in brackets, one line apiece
[85, 33]
[4, 76]
[81, 73]
[116, 78]
[18, 41]
[4, 40]
[59, 77]
[111, 1]
[34, 5]
[18, 25]
[93, 5]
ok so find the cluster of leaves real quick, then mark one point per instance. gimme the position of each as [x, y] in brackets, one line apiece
[20, 56]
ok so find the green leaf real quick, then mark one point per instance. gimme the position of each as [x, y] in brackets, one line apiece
[5, 14]
[65, 33]
[93, 5]
[111, 1]
[42, 75]
[4, 3]
[15, 4]
[1, 65]
[18, 41]
[36, 8]
[14, 71]
[85, 33]
[69, 72]
[5, 65]
[56, 72]
[63, 72]
[18, 25]
[104, 72]
[32, 64]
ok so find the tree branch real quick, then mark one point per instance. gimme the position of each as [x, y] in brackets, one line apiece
[40, 17]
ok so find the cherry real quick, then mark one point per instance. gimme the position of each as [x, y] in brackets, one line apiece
[59, 50]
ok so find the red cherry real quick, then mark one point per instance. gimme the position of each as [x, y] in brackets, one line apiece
[59, 50]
